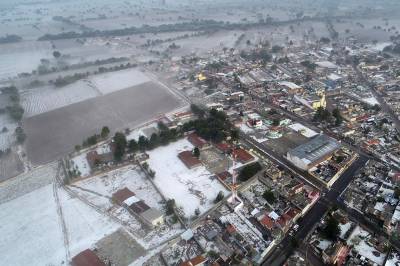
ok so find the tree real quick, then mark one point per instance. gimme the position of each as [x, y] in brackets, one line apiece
[56, 54]
[104, 132]
[269, 196]
[170, 206]
[154, 141]
[197, 110]
[338, 116]
[219, 197]
[20, 134]
[120, 145]
[143, 143]
[276, 122]
[249, 171]
[332, 229]
[196, 152]
[133, 146]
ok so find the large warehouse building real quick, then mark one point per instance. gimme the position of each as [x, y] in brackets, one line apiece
[313, 152]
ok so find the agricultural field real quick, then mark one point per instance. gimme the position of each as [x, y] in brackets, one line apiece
[69, 125]
[43, 99]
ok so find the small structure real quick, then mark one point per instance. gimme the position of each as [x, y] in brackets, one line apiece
[121, 195]
[336, 254]
[189, 159]
[94, 158]
[197, 141]
[242, 155]
[87, 258]
[153, 217]
[196, 261]
[223, 147]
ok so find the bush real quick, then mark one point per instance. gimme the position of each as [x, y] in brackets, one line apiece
[249, 171]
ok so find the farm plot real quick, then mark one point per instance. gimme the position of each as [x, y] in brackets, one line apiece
[67, 126]
[191, 188]
[47, 98]
[27, 182]
[23, 220]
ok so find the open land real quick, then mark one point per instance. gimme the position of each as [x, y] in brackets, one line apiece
[64, 127]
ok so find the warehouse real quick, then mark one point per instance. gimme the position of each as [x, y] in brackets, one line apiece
[313, 152]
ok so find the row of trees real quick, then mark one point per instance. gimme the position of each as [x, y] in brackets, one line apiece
[213, 126]
[94, 139]
[15, 110]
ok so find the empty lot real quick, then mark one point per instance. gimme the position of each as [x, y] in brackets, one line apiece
[55, 133]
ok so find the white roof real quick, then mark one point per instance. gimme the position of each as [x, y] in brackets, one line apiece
[131, 200]
[273, 215]
[188, 234]
[289, 84]
[303, 130]
[326, 64]
[334, 77]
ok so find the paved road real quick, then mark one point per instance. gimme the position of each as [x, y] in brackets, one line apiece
[314, 215]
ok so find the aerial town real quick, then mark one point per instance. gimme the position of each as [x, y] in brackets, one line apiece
[272, 138]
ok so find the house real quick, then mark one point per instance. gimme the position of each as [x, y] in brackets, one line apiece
[335, 254]
[189, 159]
[196, 261]
[242, 155]
[225, 177]
[153, 216]
[94, 158]
[121, 195]
[197, 141]
[267, 222]
[87, 258]
[223, 147]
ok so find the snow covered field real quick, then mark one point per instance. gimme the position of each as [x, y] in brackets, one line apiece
[81, 164]
[191, 188]
[24, 241]
[127, 176]
[27, 182]
[47, 98]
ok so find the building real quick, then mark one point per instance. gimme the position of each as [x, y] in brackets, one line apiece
[242, 155]
[189, 159]
[336, 254]
[87, 258]
[95, 159]
[121, 195]
[153, 217]
[313, 152]
[196, 261]
[197, 141]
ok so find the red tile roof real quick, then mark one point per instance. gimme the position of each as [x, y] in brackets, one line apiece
[224, 147]
[197, 141]
[242, 155]
[195, 261]
[267, 222]
[188, 159]
[87, 258]
[224, 175]
[122, 194]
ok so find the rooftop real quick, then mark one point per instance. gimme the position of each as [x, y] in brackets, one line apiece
[315, 149]
[87, 258]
